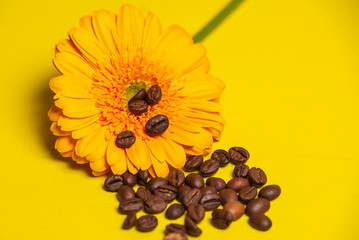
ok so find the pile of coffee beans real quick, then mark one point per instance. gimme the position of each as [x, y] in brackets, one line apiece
[196, 196]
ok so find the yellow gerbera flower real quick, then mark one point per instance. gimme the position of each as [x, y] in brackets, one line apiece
[104, 63]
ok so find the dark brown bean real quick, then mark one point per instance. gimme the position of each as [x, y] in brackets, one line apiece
[143, 193]
[235, 208]
[125, 192]
[175, 228]
[194, 180]
[140, 95]
[113, 183]
[154, 95]
[182, 191]
[138, 107]
[208, 190]
[260, 222]
[193, 163]
[146, 223]
[174, 211]
[196, 212]
[130, 220]
[191, 227]
[238, 155]
[221, 156]
[270, 192]
[257, 177]
[142, 177]
[210, 201]
[258, 205]
[130, 205]
[227, 195]
[155, 204]
[176, 178]
[221, 218]
[154, 183]
[157, 125]
[248, 193]
[129, 179]
[237, 183]
[175, 236]
[209, 167]
[192, 197]
[241, 170]
[217, 183]
[125, 139]
[167, 192]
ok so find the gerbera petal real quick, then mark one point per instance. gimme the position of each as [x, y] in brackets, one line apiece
[103, 22]
[56, 130]
[152, 172]
[131, 167]
[99, 153]
[156, 149]
[207, 106]
[187, 126]
[138, 154]
[180, 136]
[116, 156]
[176, 156]
[151, 31]
[215, 133]
[73, 64]
[161, 169]
[203, 148]
[71, 124]
[86, 23]
[78, 159]
[82, 132]
[99, 165]
[192, 59]
[97, 174]
[200, 90]
[60, 83]
[88, 144]
[65, 144]
[65, 45]
[54, 113]
[119, 167]
[66, 154]
[214, 116]
[77, 108]
[206, 123]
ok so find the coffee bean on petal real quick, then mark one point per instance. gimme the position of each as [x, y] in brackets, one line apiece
[221, 156]
[235, 208]
[143, 193]
[209, 167]
[129, 179]
[270, 192]
[238, 155]
[196, 212]
[260, 222]
[191, 227]
[218, 183]
[227, 195]
[155, 204]
[221, 218]
[130, 205]
[208, 190]
[193, 163]
[176, 178]
[210, 201]
[182, 191]
[257, 177]
[125, 192]
[241, 170]
[174, 211]
[192, 197]
[146, 223]
[157, 125]
[125, 139]
[167, 192]
[154, 183]
[194, 180]
[113, 183]
[140, 95]
[130, 220]
[175, 228]
[258, 205]
[175, 236]
[237, 183]
[138, 107]
[248, 193]
[154, 95]
[142, 177]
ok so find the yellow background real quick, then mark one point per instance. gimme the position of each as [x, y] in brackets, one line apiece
[291, 71]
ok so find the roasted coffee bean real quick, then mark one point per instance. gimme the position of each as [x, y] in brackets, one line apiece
[241, 170]
[210, 201]
[143, 193]
[248, 193]
[167, 192]
[227, 195]
[140, 95]
[174, 211]
[175, 178]
[270, 192]
[130, 205]
[125, 192]
[191, 227]
[221, 156]
[125, 139]
[193, 163]
[175, 228]
[155, 204]
[217, 183]
[129, 179]
[257, 177]
[154, 95]
[221, 218]
[192, 197]
[209, 167]
[208, 190]
[260, 222]
[154, 183]
[113, 183]
[146, 223]
[175, 236]
[157, 125]
[130, 220]
[237, 183]
[142, 177]
[194, 180]
[182, 191]
[238, 155]
[138, 107]
[196, 212]
[258, 205]
[235, 208]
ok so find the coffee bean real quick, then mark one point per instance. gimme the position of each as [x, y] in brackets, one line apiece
[238, 155]
[257, 177]
[221, 218]
[182, 191]
[146, 223]
[241, 170]
[193, 163]
[125, 139]
[237, 183]
[142, 177]
[235, 208]
[125, 192]
[217, 183]
[130, 205]
[175, 228]
[191, 227]
[174, 211]
[192, 197]
[248, 193]
[210, 201]
[157, 125]
[154, 95]
[209, 167]
[258, 205]
[270, 192]
[140, 95]
[167, 192]
[138, 107]
[129, 179]
[194, 180]
[113, 183]
[175, 236]
[130, 220]
[227, 195]
[208, 190]
[155, 204]
[221, 156]
[196, 212]
[175, 178]
[154, 183]
[143, 193]
[260, 222]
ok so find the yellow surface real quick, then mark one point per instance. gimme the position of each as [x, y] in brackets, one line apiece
[292, 98]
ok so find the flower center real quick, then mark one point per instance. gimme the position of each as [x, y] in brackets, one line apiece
[134, 88]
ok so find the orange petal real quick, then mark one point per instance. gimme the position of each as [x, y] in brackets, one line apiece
[99, 165]
[215, 133]
[213, 116]
[76, 92]
[180, 136]
[176, 156]
[67, 45]
[157, 150]
[116, 156]
[73, 64]
[161, 169]
[56, 130]
[206, 123]
[151, 31]
[206, 106]
[97, 174]
[99, 153]
[66, 154]
[199, 90]
[103, 22]
[65, 144]
[60, 83]
[54, 113]
[86, 24]
[83, 132]
[131, 167]
[77, 108]
[187, 126]
[138, 154]
[151, 170]
[88, 144]
[192, 59]
[71, 124]
[78, 159]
